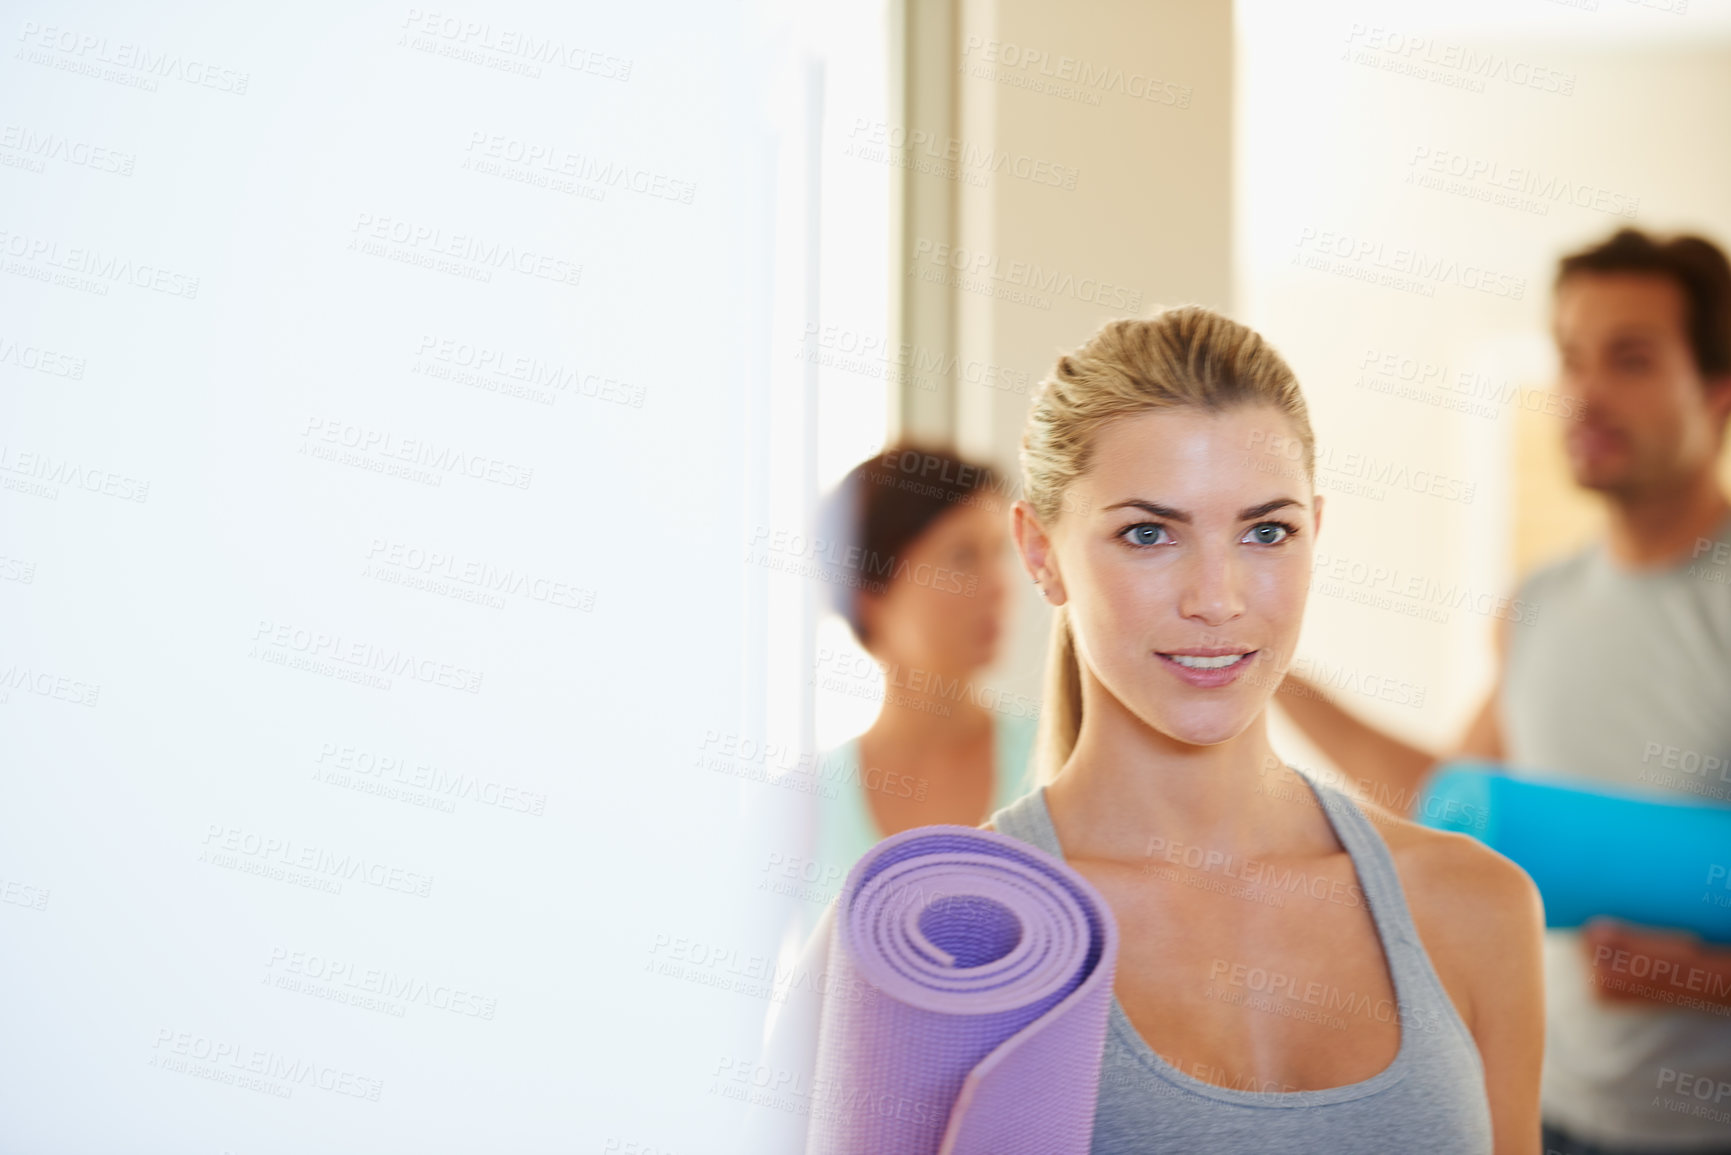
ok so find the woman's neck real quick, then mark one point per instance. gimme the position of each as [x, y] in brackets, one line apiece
[927, 707]
[1126, 783]
[919, 723]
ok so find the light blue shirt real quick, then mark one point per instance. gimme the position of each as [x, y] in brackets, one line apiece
[846, 828]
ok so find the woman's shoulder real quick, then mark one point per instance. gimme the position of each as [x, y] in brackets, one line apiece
[1452, 873]
[1478, 915]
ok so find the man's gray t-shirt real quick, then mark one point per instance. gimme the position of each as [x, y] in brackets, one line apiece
[1624, 677]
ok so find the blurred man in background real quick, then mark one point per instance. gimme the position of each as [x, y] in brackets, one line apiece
[1622, 675]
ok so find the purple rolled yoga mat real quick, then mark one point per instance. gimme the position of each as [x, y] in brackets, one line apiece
[969, 980]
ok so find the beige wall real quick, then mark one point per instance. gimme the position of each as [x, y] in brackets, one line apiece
[1149, 214]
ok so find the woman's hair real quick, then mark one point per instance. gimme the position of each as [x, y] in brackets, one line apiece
[1182, 356]
[881, 507]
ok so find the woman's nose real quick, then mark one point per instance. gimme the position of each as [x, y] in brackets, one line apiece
[1211, 592]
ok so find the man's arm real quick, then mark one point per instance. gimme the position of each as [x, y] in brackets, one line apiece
[1484, 736]
[1634, 964]
[1390, 771]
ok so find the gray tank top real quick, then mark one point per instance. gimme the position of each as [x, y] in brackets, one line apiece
[1430, 1098]
[1624, 677]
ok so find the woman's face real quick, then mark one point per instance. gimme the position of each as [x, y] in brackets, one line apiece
[1184, 555]
[943, 610]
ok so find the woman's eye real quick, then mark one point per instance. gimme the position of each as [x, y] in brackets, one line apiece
[1269, 533]
[1143, 534]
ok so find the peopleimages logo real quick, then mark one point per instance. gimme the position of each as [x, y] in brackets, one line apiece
[224, 1060]
[44, 146]
[1086, 77]
[363, 656]
[371, 234]
[315, 860]
[1025, 275]
[1493, 175]
[1371, 255]
[384, 444]
[518, 44]
[1461, 65]
[967, 154]
[346, 975]
[102, 266]
[89, 52]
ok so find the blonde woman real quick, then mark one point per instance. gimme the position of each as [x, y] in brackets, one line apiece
[1298, 971]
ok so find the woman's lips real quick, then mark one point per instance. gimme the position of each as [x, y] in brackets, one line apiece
[1204, 677]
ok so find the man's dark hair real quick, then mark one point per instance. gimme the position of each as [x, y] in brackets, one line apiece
[1695, 264]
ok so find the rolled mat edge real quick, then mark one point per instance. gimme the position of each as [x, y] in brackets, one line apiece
[1595, 849]
[989, 964]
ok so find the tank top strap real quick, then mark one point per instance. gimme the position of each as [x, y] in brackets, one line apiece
[1377, 876]
[1028, 819]
[1423, 1000]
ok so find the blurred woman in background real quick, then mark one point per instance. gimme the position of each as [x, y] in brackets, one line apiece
[924, 536]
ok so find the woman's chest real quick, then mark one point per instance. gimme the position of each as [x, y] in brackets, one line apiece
[1273, 982]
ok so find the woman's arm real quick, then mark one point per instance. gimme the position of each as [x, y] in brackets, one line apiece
[1509, 1015]
[1485, 922]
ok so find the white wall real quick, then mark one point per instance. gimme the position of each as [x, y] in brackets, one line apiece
[255, 894]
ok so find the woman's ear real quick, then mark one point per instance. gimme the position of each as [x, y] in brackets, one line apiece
[1316, 508]
[1038, 555]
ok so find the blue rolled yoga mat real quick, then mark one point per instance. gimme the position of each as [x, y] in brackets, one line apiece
[988, 967]
[1593, 849]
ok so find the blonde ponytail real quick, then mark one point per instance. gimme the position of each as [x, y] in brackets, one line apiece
[1061, 705]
